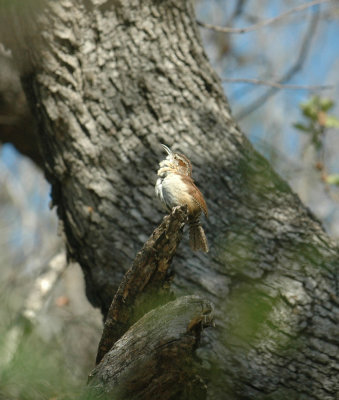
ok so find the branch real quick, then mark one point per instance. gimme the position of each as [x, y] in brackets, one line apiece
[304, 49]
[265, 22]
[277, 84]
[44, 285]
[146, 283]
[154, 359]
[40, 291]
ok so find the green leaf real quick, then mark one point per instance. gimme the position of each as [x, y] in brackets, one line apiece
[326, 104]
[302, 127]
[332, 179]
[332, 122]
[309, 111]
[313, 101]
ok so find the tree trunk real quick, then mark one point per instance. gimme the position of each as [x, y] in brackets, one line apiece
[108, 82]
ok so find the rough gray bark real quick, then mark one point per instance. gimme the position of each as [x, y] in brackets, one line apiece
[146, 284]
[147, 354]
[109, 81]
[163, 340]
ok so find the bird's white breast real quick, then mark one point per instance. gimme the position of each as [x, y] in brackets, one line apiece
[171, 191]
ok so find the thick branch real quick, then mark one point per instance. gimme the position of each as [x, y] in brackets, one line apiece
[154, 359]
[146, 283]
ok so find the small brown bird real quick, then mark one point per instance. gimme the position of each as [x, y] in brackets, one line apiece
[175, 187]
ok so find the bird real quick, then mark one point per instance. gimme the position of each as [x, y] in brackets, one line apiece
[175, 187]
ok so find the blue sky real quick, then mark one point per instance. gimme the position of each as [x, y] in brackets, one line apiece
[266, 54]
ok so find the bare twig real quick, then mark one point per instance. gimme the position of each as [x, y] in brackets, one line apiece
[303, 52]
[266, 22]
[277, 84]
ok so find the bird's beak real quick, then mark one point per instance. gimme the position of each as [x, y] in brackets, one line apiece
[168, 151]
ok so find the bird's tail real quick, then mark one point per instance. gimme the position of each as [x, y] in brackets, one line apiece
[197, 235]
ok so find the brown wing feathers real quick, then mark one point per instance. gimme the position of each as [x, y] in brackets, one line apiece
[195, 193]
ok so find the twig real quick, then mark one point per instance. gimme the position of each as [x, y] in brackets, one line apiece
[277, 84]
[262, 23]
[304, 49]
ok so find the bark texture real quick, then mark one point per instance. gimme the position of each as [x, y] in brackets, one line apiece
[109, 81]
[146, 284]
[154, 359]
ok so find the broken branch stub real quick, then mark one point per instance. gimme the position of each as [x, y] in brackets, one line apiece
[146, 284]
[154, 358]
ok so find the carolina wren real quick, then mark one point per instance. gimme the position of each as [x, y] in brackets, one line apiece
[175, 187]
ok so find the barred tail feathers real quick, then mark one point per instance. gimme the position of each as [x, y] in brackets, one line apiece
[197, 236]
